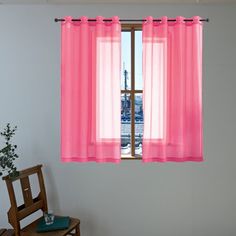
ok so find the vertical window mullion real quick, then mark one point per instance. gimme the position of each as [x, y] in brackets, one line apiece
[133, 92]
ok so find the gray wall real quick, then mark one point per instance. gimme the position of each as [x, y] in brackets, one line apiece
[130, 199]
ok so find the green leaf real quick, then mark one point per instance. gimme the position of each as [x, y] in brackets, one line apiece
[7, 153]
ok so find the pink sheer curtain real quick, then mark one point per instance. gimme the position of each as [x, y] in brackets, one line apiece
[172, 73]
[90, 90]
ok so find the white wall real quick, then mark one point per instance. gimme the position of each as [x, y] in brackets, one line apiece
[130, 199]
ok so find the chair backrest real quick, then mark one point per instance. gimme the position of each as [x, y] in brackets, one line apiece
[30, 205]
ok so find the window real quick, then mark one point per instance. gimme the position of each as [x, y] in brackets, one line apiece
[131, 92]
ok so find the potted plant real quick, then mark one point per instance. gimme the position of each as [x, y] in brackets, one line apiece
[7, 153]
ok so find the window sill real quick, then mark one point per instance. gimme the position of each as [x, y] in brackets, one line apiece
[125, 158]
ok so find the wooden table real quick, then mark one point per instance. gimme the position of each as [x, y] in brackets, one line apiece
[6, 232]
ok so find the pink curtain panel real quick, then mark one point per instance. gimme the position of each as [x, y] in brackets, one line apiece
[172, 74]
[90, 90]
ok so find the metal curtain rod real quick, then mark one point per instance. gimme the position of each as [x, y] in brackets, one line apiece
[131, 20]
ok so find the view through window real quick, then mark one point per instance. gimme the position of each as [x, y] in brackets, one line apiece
[131, 93]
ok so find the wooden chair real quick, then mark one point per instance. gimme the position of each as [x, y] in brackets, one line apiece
[17, 213]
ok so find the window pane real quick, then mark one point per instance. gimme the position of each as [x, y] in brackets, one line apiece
[138, 60]
[125, 125]
[126, 60]
[138, 123]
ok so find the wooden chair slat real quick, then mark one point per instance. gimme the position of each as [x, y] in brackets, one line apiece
[29, 210]
[24, 173]
[42, 194]
[26, 191]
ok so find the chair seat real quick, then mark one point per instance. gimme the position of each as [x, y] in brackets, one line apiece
[30, 230]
